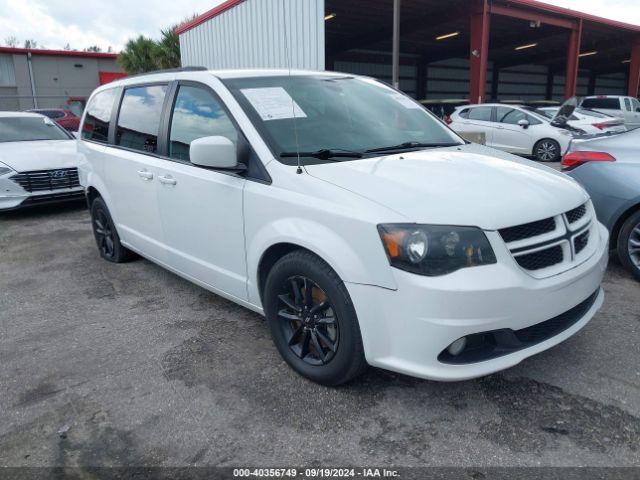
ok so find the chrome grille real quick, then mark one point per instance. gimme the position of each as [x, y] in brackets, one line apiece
[41, 180]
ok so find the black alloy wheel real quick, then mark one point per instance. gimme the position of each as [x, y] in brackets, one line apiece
[106, 234]
[308, 321]
[312, 320]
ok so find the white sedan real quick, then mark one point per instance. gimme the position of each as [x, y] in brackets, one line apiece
[38, 162]
[590, 121]
[513, 129]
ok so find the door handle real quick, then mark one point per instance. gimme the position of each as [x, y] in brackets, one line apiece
[167, 180]
[145, 174]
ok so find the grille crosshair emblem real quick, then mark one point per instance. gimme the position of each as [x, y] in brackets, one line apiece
[58, 174]
[569, 236]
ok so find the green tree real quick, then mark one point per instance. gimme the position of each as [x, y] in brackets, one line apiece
[168, 48]
[93, 48]
[139, 55]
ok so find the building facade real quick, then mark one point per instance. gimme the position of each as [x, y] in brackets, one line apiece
[31, 78]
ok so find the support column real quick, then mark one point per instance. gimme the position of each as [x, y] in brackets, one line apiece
[591, 88]
[495, 82]
[634, 69]
[550, 79]
[573, 60]
[396, 45]
[479, 55]
[421, 72]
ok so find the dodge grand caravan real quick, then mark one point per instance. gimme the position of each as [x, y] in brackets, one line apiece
[358, 224]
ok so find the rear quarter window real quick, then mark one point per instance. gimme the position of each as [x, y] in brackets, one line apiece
[96, 122]
[602, 103]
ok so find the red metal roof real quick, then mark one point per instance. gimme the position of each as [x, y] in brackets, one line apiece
[214, 12]
[534, 4]
[58, 53]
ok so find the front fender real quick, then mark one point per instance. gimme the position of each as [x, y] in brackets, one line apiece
[358, 259]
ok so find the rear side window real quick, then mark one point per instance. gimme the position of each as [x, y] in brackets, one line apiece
[139, 118]
[197, 114]
[605, 103]
[96, 122]
[627, 104]
[464, 113]
[480, 113]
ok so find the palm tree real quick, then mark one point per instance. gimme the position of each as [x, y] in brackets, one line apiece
[168, 48]
[139, 55]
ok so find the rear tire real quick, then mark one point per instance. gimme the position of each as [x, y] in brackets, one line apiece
[547, 150]
[106, 235]
[312, 319]
[629, 245]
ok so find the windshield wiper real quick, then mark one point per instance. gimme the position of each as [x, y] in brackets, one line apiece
[410, 145]
[324, 154]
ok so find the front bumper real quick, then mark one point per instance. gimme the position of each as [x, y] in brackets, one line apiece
[405, 330]
[15, 200]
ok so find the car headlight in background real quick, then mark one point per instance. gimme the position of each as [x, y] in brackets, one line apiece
[434, 250]
[4, 170]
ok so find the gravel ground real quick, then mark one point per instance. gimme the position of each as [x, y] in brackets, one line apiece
[106, 364]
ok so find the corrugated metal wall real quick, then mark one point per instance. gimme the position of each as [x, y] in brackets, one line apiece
[7, 71]
[259, 34]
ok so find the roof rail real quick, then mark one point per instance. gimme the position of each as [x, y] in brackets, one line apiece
[170, 70]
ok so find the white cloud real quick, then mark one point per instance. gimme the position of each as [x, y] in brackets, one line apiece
[54, 23]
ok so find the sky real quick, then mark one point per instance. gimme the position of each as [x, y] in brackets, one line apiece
[110, 23]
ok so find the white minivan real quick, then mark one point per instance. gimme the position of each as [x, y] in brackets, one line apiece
[358, 224]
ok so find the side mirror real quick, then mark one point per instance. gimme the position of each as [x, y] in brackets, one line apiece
[524, 123]
[214, 152]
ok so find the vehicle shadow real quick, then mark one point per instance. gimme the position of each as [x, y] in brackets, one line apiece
[44, 210]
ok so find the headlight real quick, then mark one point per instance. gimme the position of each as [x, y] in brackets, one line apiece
[434, 250]
[4, 170]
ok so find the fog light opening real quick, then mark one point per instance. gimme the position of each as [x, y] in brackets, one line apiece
[457, 347]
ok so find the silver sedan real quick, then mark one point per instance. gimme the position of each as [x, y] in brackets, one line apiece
[609, 168]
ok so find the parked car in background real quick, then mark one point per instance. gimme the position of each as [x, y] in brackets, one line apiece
[627, 108]
[609, 169]
[513, 129]
[365, 230]
[591, 121]
[443, 108]
[38, 162]
[65, 118]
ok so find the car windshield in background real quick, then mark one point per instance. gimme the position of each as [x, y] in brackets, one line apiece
[331, 118]
[25, 129]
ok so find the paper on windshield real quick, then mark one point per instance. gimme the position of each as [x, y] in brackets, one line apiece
[273, 103]
[405, 101]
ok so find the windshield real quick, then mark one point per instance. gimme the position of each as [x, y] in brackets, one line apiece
[24, 129]
[336, 114]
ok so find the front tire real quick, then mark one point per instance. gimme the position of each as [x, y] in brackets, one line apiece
[312, 319]
[629, 244]
[106, 235]
[547, 150]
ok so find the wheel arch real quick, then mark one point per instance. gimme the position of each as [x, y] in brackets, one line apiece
[346, 258]
[617, 226]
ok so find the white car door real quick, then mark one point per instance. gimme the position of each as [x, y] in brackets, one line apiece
[133, 166]
[201, 209]
[478, 120]
[510, 136]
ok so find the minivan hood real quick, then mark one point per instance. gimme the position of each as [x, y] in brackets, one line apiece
[468, 185]
[39, 155]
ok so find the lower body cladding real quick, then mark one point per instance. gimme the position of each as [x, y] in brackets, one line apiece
[478, 320]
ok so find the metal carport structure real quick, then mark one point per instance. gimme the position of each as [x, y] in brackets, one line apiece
[477, 49]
